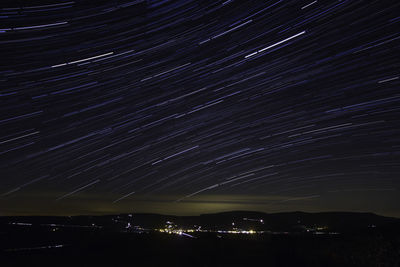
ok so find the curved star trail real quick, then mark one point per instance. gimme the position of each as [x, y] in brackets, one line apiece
[193, 106]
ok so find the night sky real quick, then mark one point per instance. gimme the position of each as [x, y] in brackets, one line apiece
[189, 107]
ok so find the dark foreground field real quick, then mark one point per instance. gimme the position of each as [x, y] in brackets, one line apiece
[88, 247]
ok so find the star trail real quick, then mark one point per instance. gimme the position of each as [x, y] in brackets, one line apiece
[183, 107]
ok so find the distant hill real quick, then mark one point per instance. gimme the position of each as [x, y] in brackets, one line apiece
[343, 222]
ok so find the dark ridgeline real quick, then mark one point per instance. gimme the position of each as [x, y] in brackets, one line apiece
[280, 239]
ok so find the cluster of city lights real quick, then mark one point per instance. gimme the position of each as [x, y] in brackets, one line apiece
[185, 231]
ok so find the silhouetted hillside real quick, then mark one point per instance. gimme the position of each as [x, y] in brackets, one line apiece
[343, 222]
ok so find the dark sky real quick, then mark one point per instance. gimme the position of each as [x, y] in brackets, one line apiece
[187, 107]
